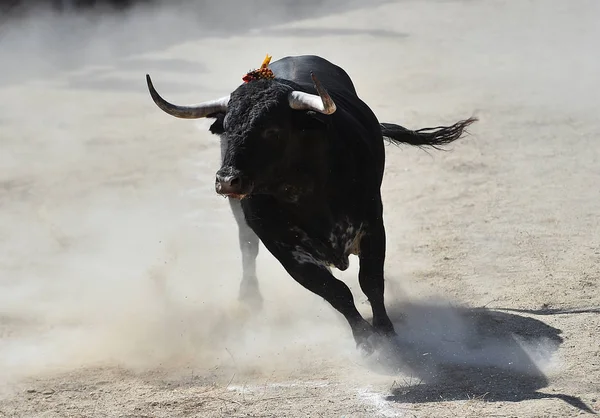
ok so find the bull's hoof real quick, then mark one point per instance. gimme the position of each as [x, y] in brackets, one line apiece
[239, 312]
[254, 303]
[366, 346]
[250, 296]
[365, 349]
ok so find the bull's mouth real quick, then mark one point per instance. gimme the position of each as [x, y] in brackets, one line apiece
[234, 192]
[235, 196]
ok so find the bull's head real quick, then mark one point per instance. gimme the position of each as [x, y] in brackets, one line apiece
[269, 130]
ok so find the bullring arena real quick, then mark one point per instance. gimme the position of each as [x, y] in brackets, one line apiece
[120, 265]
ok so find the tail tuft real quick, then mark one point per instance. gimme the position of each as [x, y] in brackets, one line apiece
[426, 137]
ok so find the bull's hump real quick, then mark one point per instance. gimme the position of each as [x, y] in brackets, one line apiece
[298, 68]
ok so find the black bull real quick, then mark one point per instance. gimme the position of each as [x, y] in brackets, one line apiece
[302, 164]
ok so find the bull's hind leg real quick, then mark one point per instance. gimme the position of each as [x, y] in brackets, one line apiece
[370, 275]
[249, 290]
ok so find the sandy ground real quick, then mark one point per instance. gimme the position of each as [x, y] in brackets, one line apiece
[120, 266]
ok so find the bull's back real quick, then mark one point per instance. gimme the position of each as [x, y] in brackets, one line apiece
[357, 121]
[298, 69]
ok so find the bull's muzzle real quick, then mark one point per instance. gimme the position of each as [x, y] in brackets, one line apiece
[231, 183]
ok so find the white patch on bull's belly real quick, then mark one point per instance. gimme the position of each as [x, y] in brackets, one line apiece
[303, 257]
[343, 236]
[344, 233]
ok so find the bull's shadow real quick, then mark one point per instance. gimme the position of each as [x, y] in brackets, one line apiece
[448, 353]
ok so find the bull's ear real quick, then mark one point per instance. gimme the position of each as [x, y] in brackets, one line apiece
[217, 127]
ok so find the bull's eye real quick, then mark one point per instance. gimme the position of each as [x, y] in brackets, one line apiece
[271, 133]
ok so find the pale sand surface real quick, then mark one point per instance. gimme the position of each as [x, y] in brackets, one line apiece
[119, 264]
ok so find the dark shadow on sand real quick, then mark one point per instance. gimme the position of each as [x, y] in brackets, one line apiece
[553, 311]
[451, 353]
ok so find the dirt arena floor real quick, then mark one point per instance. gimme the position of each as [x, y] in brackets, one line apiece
[119, 265]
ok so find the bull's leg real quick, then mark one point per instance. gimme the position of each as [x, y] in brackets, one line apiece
[370, 276]
[318, 279]
[249, 291]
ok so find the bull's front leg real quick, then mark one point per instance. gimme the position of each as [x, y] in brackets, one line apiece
[249, 292]
[317, 278]
[370, 276]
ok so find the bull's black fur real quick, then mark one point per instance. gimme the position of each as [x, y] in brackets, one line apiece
[312, 183]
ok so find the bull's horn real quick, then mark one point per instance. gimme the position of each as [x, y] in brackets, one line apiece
[197, 111]
[322, 103]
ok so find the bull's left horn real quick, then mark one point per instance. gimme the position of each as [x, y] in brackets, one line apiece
[196, 111]
[323, 103]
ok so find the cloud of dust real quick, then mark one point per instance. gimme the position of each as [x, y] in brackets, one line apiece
[115, 256]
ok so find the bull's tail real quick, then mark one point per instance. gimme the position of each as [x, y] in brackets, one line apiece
[426, 137]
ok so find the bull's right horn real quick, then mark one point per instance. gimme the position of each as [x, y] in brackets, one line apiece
[197, 111]
[322, 103]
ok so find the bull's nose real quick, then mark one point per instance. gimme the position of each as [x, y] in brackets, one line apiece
[230, 183]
